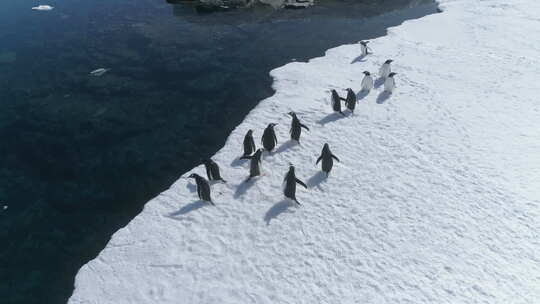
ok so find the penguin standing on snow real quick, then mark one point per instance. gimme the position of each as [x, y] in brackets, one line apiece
[255, 164]
[385, 69]
[269, 139]
[336, 102]
[364, 47]
[350, 101]
[290, 181]
[212, 170]
[203, 188]
[367, 82]
[249, 143]
[327, 159]
[296, 127]
[390, 83]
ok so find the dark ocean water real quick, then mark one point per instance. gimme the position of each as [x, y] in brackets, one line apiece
[80, 155]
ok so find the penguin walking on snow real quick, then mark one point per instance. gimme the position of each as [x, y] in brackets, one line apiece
[249, 143]
[290, 181]
[390, 83]
[269, 139]
[203, 188]
[255, 164]
[327, 159]
[336, 102]
[364, 48]
[296, 127]
[367, 82]
[212, 170]
[385, 69]
[351, 100]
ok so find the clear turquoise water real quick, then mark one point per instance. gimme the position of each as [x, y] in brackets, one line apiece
[81, 155]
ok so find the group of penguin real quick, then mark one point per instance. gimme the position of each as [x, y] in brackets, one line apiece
[269, 139]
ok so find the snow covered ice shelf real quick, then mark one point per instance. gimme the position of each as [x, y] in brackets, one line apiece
[436, 198]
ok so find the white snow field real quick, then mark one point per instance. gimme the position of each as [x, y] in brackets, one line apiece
[436, 198]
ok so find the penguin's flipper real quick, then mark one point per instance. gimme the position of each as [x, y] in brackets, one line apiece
[342, 98]
[335, 157]
[304, 126]
[318, 160]
[301, 183]
[340, 112]
[296, 201]
[212, 203]
[246, 157]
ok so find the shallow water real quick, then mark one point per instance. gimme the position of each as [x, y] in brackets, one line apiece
[82, 154]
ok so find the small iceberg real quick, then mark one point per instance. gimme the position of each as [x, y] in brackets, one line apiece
[42, 8]
[297, 3]
[99, 72]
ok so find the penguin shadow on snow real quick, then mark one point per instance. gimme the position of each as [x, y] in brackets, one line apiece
[237, 162]
[277, 209]
[191, 187]
[286, 145]
[358, 59]
[330, 118]
[383, 97]
[379, 82]
[188, 208]
[244, 187]
[317, 179]
[362, 94]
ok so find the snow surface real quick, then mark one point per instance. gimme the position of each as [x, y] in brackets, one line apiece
[436, 198]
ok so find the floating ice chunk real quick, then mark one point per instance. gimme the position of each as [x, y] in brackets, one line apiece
[5, 207]
[42, 8]
[99, 72]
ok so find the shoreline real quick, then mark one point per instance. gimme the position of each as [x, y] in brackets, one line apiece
[420, 164]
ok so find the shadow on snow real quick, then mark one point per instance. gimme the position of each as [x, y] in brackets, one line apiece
[277, 209]
[331, 117]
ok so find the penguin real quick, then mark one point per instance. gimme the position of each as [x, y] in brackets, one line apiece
[385, 69]
[249, 143]
[367, 82]
[365, 49]
[296, 127]
[327, 159]
[269, 139]
[203, 188]
[255, 164]
[212, 170]
[350, 101]
[290, 181]
[390, 83]
[336, 102]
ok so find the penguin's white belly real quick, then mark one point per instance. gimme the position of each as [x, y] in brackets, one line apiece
[389, 84]
[367, 83]
[385, 70]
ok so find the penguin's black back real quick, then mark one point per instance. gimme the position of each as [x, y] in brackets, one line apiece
[268, 138]
[351, 100]
[203, 188]
[249, 144]
[336, 101]
[255, 164]
[290, 185]
[296, 129]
